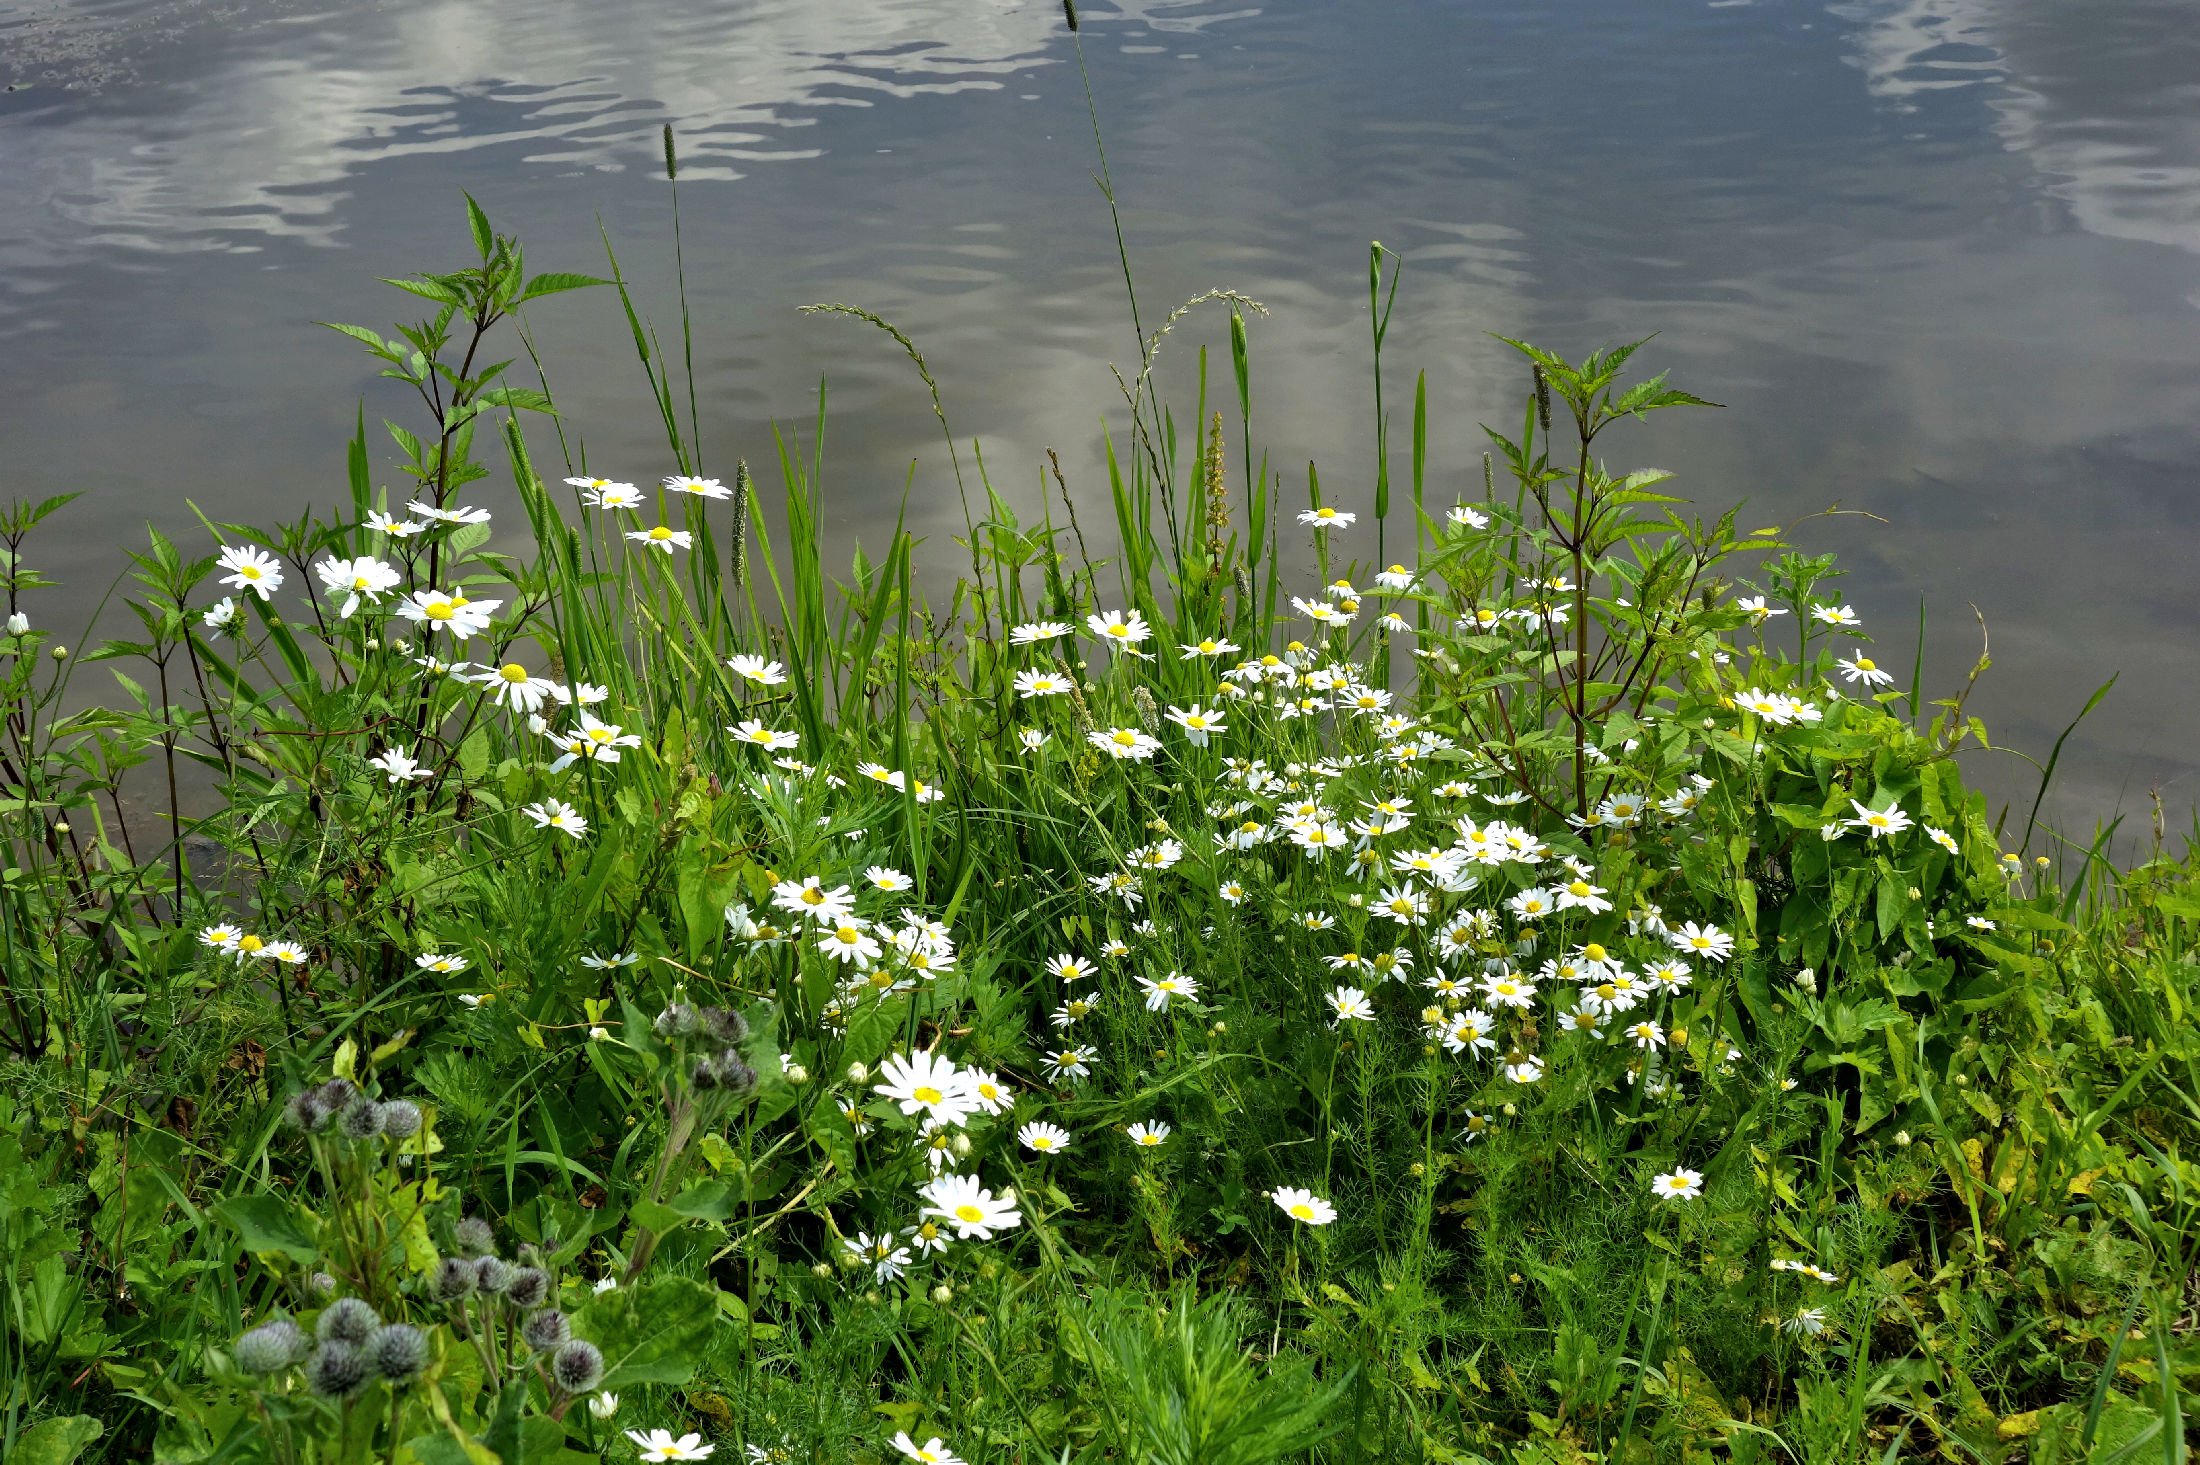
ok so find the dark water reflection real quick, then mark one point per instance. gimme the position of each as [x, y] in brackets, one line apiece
[1941, 257]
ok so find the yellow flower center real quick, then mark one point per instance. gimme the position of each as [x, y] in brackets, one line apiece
[1865, 663]
[660, 533]
[1578, 888]
[968, 1212]
[1303, 1211]
[926, 1094]
[440, 610]
[250, 943]
[1593, 952]
[512, 671]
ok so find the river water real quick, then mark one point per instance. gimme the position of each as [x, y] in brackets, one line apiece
[1940, 258]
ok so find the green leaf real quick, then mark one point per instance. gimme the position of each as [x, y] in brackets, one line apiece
[651, 1334]
[268, 1223]
[56, 1441]
[484, 236]
[552, 284]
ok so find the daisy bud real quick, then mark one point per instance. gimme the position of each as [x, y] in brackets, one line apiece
[61, 653]
[858, 1072]
[271, 1347]
[454, 1279]
[321, 1284]
[1902, 1138]
[474, 1237]
[576, 1368]
[400, 1119]
[796, 1073]
[943, 1294]
[603, 1406]
[546, 1332]
[398, 1352]
[347, 1320]
[19, 624]
[528, 1289]
[336, 1371]
[959, 1146]
[822, 1270]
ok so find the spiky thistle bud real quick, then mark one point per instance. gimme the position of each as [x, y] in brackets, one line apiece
[346, 1320]
[454, 1279]
[474, 1237]
[304, 1111]
[492, 1274]
[363, 1120]
[546, 1331]
[577, 1367]
[529, 1288]
[336, 1370]
[400, 1118]
[336, 1095]
[724, 1025]
[398, 1352]
[678, 1020]
[271, 1347]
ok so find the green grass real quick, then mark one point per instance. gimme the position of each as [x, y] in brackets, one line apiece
[1928, 1102]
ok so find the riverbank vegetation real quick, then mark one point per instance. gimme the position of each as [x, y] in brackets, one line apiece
[1189, 992]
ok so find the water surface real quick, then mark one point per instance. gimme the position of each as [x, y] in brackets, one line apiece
[1941, 258]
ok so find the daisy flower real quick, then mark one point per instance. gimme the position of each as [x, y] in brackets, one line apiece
[1069, 1063]
[221, 616]
[1879, 823]
[1043, 1138]
[1147, 1136]
[558, 815]
[933, 1451]
[365, 578]
[1864, 669]
[449, 516]
[1326, 518]
[514, 686]
[702, 488]
[975, 1212]
[1350, 1004]
[1034, 682]
[659, 1444]
[605, 493]
[1119, 628]
[449, 611]
[1031, 633]
[1125, 742]
[757, 671]
[1197, 722]
[1159, 990]
[1702, 940]
[1678, 1185]
[663, 537]
[752, 732]
[251, 568]
[1303, 1205]
[443, 963]
[1835, 615]
[395, 528]
[398, 764]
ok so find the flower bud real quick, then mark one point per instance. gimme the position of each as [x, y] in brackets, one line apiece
[19, 624]
[454, 1279]
[528, 1288]
[271, 1347]
[796, 1073]
[858, 1072]
[474, 1236]
[399, 1351]
[943, 1294]
[603, 1406]
[576, 1368]
[336, 1370]
[492, 1274]
[400, 1118]
[546, 1332]
[347, 1320]
[363, 1120]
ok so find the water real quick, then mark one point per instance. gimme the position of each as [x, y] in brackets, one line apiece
[1941, 258]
